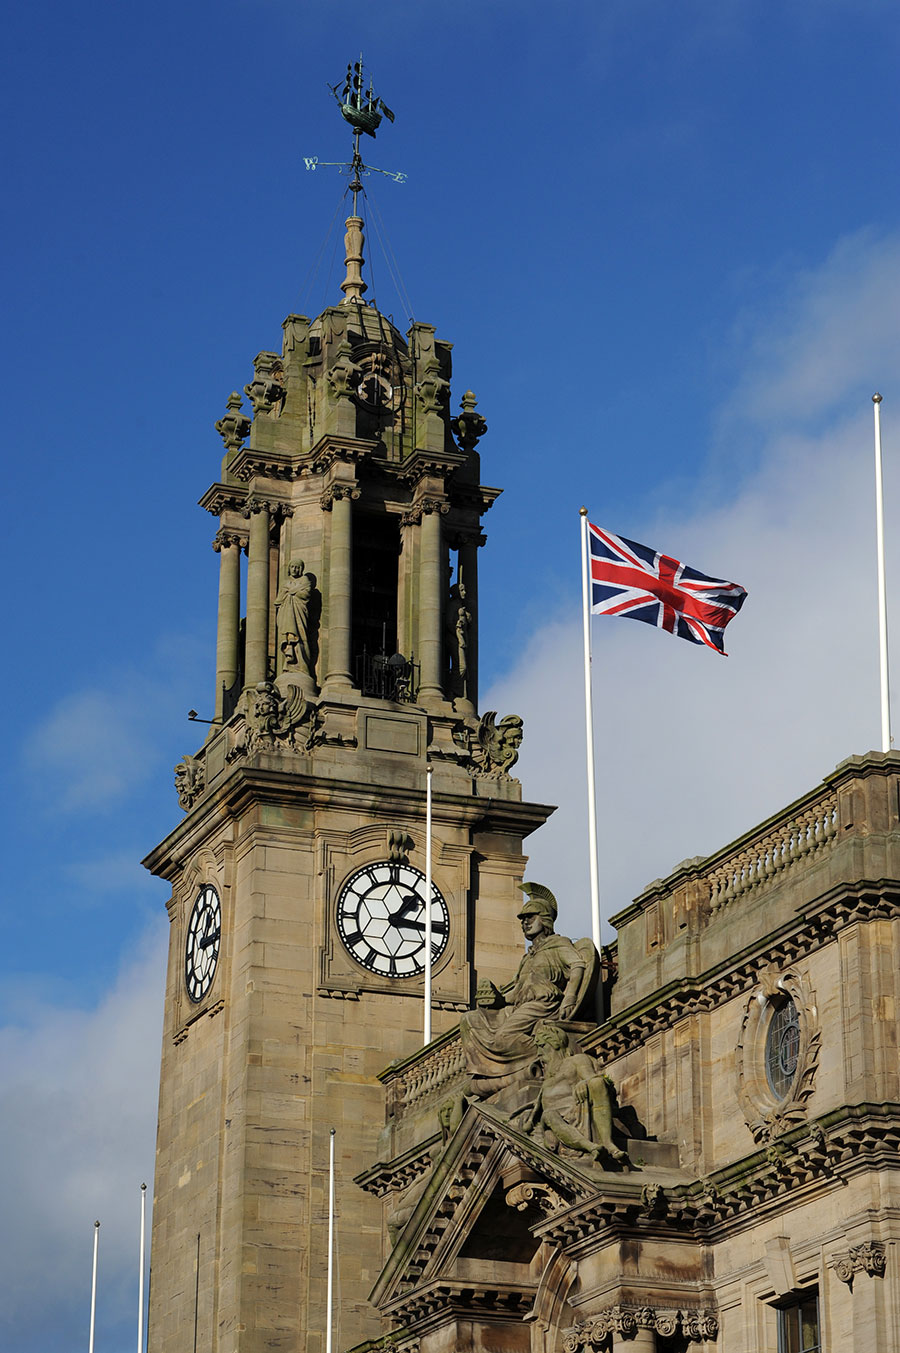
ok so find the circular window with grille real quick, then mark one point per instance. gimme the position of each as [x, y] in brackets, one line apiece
[782, 1048]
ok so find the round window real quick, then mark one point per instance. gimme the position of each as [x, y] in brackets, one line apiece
[782, 1048]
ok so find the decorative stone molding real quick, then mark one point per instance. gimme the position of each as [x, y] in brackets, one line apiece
[336, 493]
[653, 1198]
[870, 1257]
[768, 1115]
[234, 426]
[224, 538]
[534, 1194]
[625, 1321]
[190, 780]
[400, 843]
[266, 391]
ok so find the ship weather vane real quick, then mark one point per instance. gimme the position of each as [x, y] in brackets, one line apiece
[363, 109]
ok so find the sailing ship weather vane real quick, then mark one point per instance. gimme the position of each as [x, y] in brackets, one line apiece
[363, 109]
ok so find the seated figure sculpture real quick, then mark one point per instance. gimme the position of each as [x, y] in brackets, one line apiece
[552, 983]
[574, 1107]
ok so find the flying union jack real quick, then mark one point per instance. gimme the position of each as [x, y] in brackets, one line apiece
[634, 581]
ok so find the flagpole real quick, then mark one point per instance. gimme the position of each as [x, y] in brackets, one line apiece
[140, 1341]
[330, 1296]
[589, 734]
[428, 774]
[94, 1286]
[882, 586]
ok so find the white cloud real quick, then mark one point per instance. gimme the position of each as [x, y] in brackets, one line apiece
[78, 1114]
[692, 750]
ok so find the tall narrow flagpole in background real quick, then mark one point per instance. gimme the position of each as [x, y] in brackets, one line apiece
[428, 774]
[882, 586]
[329, 1302]
[94, 1286]
[140, 1344]
[589, 732]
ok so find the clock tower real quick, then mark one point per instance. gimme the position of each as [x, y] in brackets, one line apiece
[348, 515]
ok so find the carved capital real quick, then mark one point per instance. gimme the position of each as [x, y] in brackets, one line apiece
[534, 1194]
[870, 1257]
[459, 537]
[424, 507]
[626, 1320]
[224, 539]
[274, 506]
[234, 426]
[337, 493]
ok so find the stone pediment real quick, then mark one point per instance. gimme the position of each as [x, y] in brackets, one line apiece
[490, 1186]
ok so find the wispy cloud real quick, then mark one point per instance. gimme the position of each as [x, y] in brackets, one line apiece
[691, 749]
[77, 1128]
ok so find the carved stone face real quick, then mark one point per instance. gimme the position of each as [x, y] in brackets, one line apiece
[534, 925]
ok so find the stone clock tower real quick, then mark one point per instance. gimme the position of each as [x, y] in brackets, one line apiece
[349, 513]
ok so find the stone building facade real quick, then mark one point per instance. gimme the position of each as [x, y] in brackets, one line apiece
[712, 1165]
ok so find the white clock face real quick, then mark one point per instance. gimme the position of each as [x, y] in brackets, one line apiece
[201, 953]
[381, 919]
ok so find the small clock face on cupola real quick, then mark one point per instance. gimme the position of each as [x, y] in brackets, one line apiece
[381, 919]
[201, 952]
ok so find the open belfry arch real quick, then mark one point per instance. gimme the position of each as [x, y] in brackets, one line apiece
[712, 1164]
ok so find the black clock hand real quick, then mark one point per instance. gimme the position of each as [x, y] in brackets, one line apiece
[210, 938]
[408, 903]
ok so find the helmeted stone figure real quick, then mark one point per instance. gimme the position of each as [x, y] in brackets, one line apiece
[551, 984]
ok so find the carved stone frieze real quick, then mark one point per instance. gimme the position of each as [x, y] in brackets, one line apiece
[870, 1257]
[767, 1113]
[234, 425]
[266, 391]
[625, 1321]
[190, 780]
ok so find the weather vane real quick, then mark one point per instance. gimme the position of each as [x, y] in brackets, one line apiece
[363, 109]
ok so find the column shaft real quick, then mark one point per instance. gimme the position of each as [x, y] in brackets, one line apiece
[468, 576]
[430, 594]
[227, 662]
[642, 1341]
[258, 599]
[340, 585]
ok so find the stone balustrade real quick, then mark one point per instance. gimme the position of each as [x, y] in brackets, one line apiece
[781, 846]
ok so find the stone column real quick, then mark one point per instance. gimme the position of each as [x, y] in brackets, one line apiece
[468, 576]
[431, 590]
[340, 584]
[228, 548]
[257, 658]
[641, 1341]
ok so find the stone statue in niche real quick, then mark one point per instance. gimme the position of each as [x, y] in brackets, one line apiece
[573, 1110]
[292, 618]
[459, 621]
[554, 982]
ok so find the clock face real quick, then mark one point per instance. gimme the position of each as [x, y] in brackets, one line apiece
[201, 953]
[381, 919]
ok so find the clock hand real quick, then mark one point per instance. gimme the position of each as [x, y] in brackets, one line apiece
[408, 904]
[210, 938]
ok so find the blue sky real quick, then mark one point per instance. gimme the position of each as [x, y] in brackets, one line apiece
[665, 242]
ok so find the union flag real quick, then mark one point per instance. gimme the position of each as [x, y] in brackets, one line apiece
[634, 581]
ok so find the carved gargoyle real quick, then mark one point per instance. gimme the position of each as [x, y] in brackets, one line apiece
[190, 779]
[497, 745]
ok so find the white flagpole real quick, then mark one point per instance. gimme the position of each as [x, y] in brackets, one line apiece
[330, 1297]
[882, 586]
[428, 774]
[94, 1286]
[140, 1343]
[589, 733]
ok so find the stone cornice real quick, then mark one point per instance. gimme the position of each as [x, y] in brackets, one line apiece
[218, 498]
[247, 786]
[839, 907]
[419, 464]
